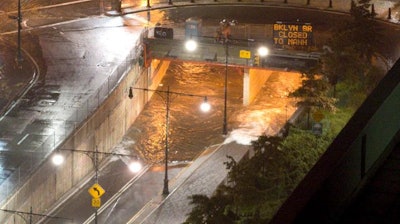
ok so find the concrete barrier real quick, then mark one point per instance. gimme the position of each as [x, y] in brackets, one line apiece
[48, 186]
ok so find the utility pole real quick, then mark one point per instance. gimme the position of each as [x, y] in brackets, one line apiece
[96, 177]
[19, 20]
[205, 107]
[165, 189]
[21, 214]
[225, 128]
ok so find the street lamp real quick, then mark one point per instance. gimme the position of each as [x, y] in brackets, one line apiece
[263, 51]
[224, 127]
[224, 36]
[205, 107]
[58, 159]
[31, 214]
[19, 19]
[191, 45]
[225, 32]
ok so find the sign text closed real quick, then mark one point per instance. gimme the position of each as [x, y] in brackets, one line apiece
[292, 34]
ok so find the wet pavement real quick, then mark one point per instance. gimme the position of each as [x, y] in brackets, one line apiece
[190, 129]
[74, 37]
[71, 72]
[14, 76]
[266, 115]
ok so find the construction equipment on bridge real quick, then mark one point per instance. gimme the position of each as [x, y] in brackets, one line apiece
[223, 34]
[193, 27]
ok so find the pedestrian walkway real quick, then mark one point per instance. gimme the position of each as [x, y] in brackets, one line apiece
[203, 176]
[384, 9]
[195, 179]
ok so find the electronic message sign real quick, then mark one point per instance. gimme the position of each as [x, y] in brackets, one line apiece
[292, 34]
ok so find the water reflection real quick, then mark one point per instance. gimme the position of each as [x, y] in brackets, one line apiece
[269, 111]
[191, 130]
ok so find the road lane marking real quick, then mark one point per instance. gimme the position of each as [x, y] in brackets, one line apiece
[22, 139]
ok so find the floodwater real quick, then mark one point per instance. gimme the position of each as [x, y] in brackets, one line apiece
[190, 130]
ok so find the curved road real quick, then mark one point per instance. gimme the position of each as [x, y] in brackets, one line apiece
[173, 17]
[74, 67]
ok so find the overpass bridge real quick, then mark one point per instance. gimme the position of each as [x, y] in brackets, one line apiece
[236, 53]
[172, 54]
[212, 52]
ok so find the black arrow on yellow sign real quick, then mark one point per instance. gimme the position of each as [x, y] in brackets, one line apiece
[97, 190]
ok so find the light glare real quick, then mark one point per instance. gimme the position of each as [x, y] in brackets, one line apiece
[58, 159]
[135, 167]
[263, 51]
[191, 45]
[205, 107]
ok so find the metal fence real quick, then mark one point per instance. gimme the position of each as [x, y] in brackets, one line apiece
[54, 138]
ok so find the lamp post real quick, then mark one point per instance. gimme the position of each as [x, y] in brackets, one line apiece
[58, 159]
[96, 177]
[191, 45]
[225, 37]
[19, 19]
[262, 52]
[30, 214]
[205, 106]
[224, 127]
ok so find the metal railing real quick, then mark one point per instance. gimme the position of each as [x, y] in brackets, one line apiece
[51, 141]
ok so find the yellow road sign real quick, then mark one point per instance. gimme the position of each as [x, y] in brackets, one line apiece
[96, 191]
[244, 54]
[96, 202]
[318, 116]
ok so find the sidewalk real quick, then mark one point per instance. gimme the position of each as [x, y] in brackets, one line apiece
[11, 86]
[174, 207]
[380, 7]
[203, 176]
[208, 171]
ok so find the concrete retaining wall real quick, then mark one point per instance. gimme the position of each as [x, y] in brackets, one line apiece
[105, 128]
[254, 78]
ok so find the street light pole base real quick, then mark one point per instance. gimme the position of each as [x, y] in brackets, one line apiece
[225, 129]
[19, 60]
[165, 190]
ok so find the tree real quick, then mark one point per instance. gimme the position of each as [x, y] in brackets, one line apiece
[353, 47]
[313, 92]
[365, 33]
[258, 185]
[213, 210]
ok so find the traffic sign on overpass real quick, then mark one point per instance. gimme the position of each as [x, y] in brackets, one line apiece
[237, 52]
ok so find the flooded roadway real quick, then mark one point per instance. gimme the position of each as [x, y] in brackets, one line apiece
[191, 130]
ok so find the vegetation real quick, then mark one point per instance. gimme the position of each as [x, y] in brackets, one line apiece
[258, 185]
